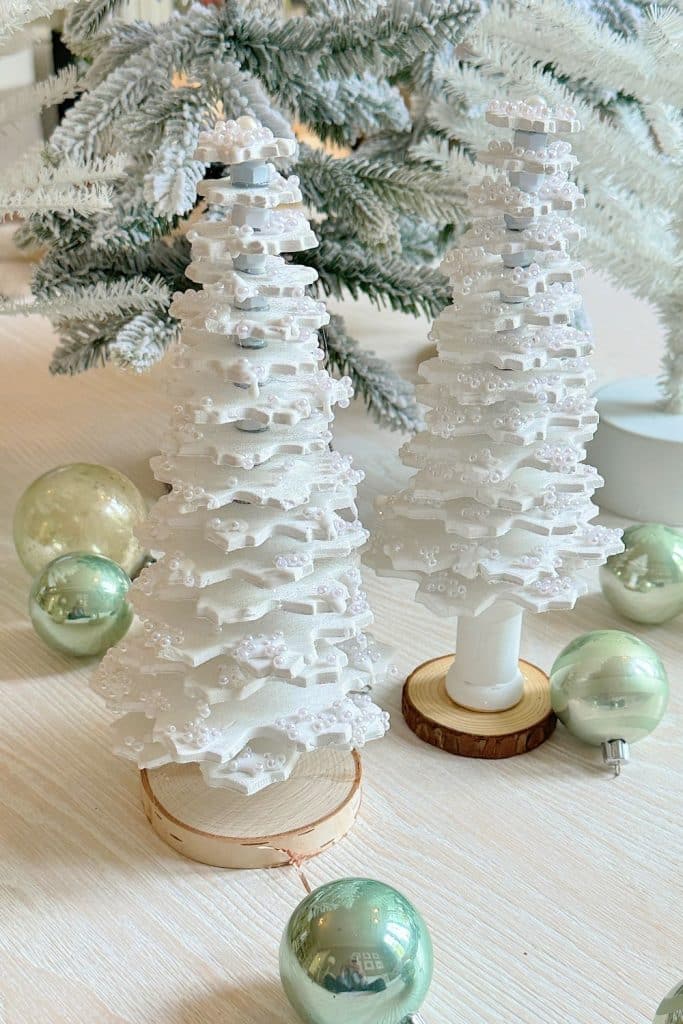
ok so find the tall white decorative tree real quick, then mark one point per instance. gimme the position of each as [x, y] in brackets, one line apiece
[497, 517]
[253, 648]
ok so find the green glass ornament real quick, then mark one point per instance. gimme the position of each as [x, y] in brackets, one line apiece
[356, 951]
[644, 582]
[80, 507]
[670, 1010]
[609, 688]
[78, 604]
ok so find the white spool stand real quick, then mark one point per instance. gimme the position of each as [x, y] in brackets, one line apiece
[638, 449]
[485, 676]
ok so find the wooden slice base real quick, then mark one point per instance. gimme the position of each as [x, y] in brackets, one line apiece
[436, 719]
[283, 824]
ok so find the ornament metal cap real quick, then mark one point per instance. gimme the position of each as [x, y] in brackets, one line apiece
[615, 753]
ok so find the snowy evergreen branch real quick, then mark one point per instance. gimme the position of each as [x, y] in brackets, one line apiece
[133, 343]
[17, 14]
[142, 341]
[397, 34]
[29, 100]
[47, 198]
[149, 90]
[116, 44]
[389, 399]
[37, 185]
[343, 110]
[628, 93]
[369, 193]
[346, 266]
[84, 20]
[97, 301]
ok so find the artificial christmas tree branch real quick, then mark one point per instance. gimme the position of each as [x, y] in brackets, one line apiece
[344, 265]
[626, 89]
[150, 91]
[389, 399]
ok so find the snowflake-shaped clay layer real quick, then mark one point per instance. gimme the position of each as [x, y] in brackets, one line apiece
[250, 648]
[499, 507]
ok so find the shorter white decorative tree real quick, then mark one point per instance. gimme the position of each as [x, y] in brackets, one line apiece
[497, 517]
[253, 648]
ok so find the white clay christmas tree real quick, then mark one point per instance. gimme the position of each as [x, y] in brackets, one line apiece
[253, 648]
[497, 517]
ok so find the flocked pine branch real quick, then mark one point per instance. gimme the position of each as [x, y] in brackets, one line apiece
[389, 399]
[84, 20]
[622, 87]
[132, 343]
[151, 89]
[344, 110]
[370, 193]
[95, 301]
[45, 199]
[29, 100]
[33, 185]
[37, 186]
[17, 14]
[344, 265]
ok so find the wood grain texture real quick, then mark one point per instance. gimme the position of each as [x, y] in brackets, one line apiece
[436, 719]
[552, 891]
[281, 825]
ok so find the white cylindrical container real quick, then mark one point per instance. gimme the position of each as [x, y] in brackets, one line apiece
[638, 450]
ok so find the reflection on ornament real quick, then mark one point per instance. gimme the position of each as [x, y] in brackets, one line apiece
[670, 1010]
[80, 507]
[356, 951]
[78, 604]
[609, 689]
[645, 581]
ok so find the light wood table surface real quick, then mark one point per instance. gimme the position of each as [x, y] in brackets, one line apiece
[552, 891]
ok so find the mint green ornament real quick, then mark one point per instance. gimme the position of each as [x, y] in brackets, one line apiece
[644, 582]
[356, 952]
[670, 1010]
[609, 688]
[78, 604]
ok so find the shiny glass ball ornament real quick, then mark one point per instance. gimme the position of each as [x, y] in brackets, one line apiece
[644, 582]
[80, 507]
[670, 1010]
[609, 688]
[356, 952]
[78, 604]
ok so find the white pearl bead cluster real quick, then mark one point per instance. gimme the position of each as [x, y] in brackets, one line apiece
[250, 762]
[242, 132]
[355, 718]
[516, 113]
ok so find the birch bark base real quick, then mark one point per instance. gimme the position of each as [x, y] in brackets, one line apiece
[282, 824]
[436, 719]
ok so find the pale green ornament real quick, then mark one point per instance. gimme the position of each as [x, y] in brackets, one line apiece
[356, 952]
[78, 604]
[670, 1010]
[645, 581]
[80, 507]
[609, 688]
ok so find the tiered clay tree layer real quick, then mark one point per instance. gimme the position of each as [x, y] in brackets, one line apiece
[253, 648]
[497, 517]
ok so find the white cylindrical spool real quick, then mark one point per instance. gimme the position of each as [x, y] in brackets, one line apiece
[638, 450]
[485, 675]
